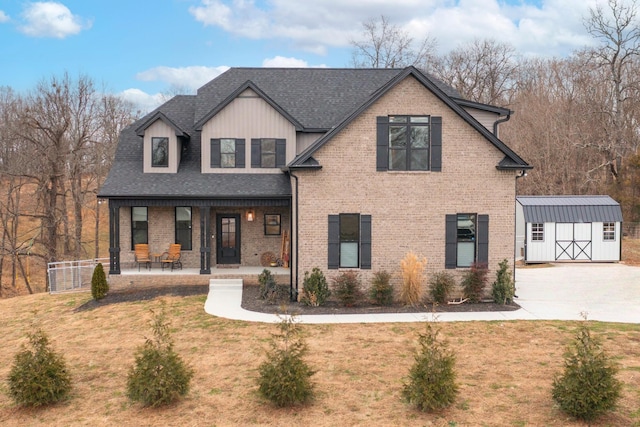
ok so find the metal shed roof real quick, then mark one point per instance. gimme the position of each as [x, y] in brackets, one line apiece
[540, 209]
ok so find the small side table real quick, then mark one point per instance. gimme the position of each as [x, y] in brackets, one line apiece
[156, 257]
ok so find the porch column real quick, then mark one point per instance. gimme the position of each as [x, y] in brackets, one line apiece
[114, 238]
[205, 240]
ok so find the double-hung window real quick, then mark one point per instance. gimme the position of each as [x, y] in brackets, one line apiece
[268, 152]
[467, 240]
[609, 231]
[139, 225]
[159, 152]
[409, 143]
[227, 153]
[349, 241]
[537, 232]
[183, 227]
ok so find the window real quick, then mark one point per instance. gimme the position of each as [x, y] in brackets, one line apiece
[609, 231]
[183, 227]
[268, 153]
[227, 153]
[272, 225]
[467, 240]
[409, 143]
[537, 232]
[160, 152]
[350, 241]
[139, 225]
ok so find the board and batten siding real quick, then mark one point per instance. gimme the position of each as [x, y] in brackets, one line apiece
[486, 118]
[306, 139]
[247, 117]
[547, 251]
[161, 129]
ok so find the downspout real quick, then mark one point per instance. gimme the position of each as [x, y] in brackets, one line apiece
[523, 173]
[497, 122]
[293, 294]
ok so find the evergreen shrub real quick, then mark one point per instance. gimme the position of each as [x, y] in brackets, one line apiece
[315, 289]
[347, 288]
[99, 284]
[441, 284]
[503, 289]
[381, 291]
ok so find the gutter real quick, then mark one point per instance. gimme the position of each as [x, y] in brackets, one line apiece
[293, 294]
[497, 122]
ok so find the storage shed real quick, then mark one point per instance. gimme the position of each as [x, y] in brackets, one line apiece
[568, 228]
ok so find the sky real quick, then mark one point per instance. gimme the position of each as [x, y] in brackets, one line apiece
[140, 49]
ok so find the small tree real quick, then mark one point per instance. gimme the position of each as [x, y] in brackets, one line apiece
[431, 384]
[159, 376]
[99, 285]
[39, 375]
[381, 291]
[315, 289]
[440, 286]
[412, 269]
[348, 288]
[588, 387]
[474, 282]
[503, 289]
[285, 376]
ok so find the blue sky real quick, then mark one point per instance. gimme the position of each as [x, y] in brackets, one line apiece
[138, 51]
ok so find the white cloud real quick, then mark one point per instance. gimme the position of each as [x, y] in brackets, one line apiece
[282, 62]
[142, 100]
[534, 27]
[190, 77]
[51, 19]
[3, 17]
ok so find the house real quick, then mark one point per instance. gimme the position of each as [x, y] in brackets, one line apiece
[568, 228]
[357, 166]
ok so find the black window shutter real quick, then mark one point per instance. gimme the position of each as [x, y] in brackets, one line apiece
[483, 239]
[255, 153]
[281, 152]
[451, 242]
[436, 144]
[334, 241]
[240, 153]
[215, 153]
[382, 143]
[365, 242]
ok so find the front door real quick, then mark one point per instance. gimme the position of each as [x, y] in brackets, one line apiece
[228, 239]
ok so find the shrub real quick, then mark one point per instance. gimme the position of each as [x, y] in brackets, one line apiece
[503, 289]
[39, 375]
[268, 285]
[431, 384]
[474, 282]
[159, 376]
[315, 290]
[440, 286]
[381, 291]
[588, 387]
[348, 288]
[412, 270]
[99, 285]
[285, 377]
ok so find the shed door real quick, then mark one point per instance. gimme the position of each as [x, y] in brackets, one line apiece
[573, 241]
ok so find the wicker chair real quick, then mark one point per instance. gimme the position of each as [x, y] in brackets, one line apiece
[141, 252]
[171, 258]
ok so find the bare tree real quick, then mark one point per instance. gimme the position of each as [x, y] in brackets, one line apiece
[618, 55]
[482, 71]
[385, 45]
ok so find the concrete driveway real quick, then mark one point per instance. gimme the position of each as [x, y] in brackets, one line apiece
[606, 292]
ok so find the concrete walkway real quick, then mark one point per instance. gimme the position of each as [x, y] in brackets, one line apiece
[606, 292]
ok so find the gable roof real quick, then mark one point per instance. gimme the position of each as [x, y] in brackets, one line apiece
[511, 160]
[541, 209]
[159, 115]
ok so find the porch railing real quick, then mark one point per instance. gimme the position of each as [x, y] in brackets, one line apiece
[67, 276]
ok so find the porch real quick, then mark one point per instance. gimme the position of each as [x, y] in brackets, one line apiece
[132, 278]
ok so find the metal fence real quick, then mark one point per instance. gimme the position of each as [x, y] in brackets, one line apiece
[631, 229]
[67, 276]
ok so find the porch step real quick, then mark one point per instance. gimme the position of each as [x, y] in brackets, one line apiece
[225, 283]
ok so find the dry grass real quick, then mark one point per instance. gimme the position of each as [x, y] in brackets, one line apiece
[504, 369]
[412, 269]
[631, 251]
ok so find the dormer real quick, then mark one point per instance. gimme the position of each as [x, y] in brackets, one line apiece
[163, 142]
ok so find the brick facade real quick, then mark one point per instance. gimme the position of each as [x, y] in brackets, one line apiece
[408, 208]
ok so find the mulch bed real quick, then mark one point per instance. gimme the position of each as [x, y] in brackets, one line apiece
[251, 301]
